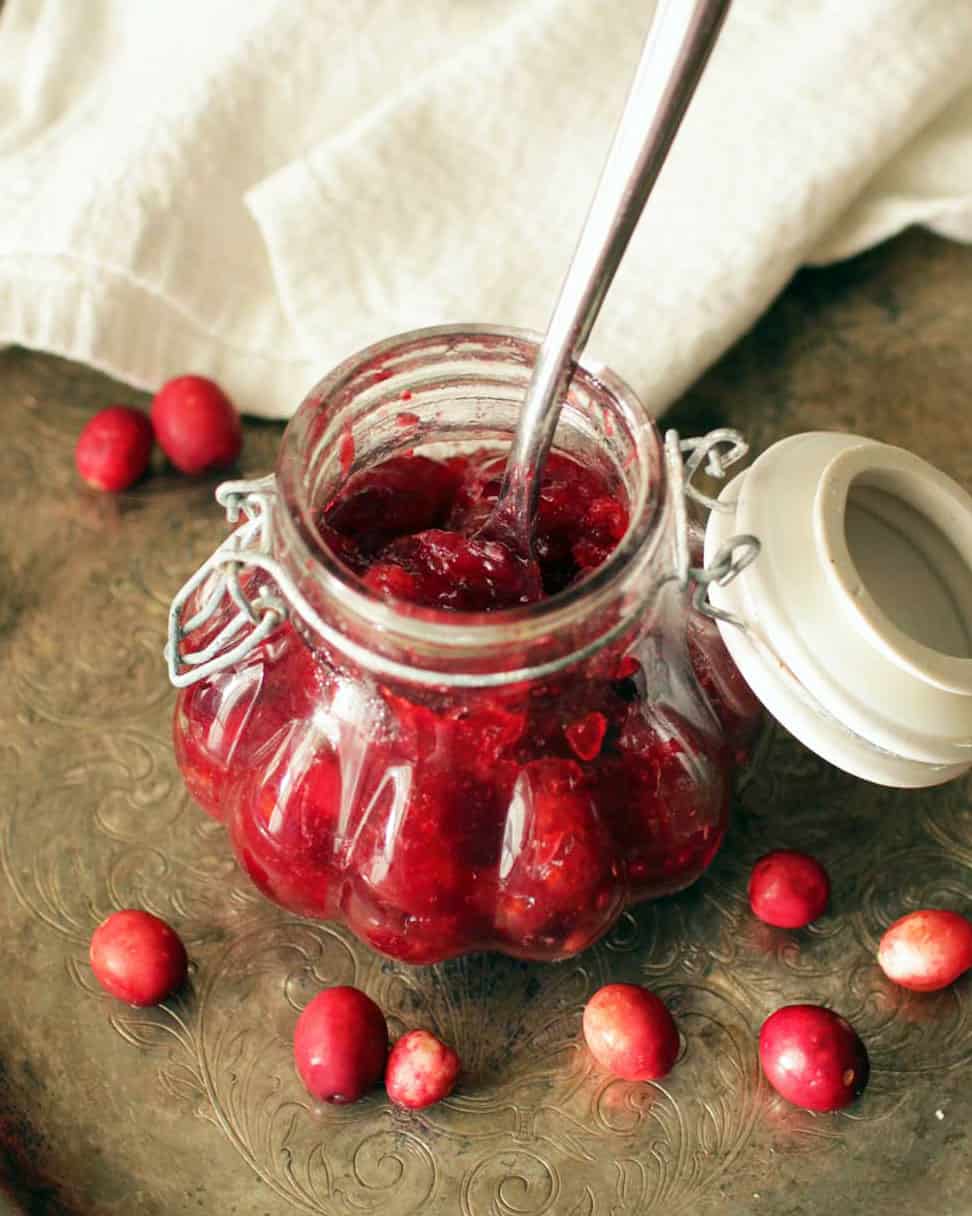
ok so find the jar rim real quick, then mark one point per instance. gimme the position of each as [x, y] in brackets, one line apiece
[468, 630]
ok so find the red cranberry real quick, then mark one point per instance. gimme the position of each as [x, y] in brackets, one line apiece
[788, 889]
[421, 1070]
[220, 723]
[558, 868]
[196, 424]
[813, 1057]
[137, 958]
[926, 950]
[630, 1032]
[284, 825]
[423, 862]
[114, 447]
[666, 800]
[340, 1045]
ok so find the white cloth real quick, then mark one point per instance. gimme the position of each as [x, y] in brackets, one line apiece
[255, 190]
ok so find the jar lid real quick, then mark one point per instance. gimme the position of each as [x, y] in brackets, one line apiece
[854, 624]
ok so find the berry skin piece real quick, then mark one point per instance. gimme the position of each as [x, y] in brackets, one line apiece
[926, 950]
[788, 889]
[137, 957]
[114, 447]
[340, 1045]
[630, 1032]
[196, 424]
[813, 1057]
[421, 1070]
[586, 735]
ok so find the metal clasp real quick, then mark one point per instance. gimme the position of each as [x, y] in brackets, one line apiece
[250, 545]
[719, 449]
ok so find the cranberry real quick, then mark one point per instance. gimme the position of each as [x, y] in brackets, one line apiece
[576, 527]
[813, 1057]
[284, 826]
[421, 1070]
[221, 723]
[423, 859]
[788, 889]
[558, 869]
[926, 950]
[667, 801]
[630, 1032]
[114, 447]
[340, 1045]
[196, 424]
[137, 957]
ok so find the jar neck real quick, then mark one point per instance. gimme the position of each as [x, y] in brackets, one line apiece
[460, 388]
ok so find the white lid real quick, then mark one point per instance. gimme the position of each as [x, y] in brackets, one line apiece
[858, 609]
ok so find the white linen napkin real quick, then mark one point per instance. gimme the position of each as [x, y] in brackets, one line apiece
[253, 191]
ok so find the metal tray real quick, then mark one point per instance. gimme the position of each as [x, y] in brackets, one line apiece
[195, 1106]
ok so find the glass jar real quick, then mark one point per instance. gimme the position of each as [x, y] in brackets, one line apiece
[442, 782]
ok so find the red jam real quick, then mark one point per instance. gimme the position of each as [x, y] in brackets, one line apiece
[408, 527]
[435, 822]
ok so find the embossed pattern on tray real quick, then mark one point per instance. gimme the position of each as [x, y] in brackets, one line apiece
[195, 1106]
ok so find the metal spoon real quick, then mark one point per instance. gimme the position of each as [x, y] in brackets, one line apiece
[677, 48]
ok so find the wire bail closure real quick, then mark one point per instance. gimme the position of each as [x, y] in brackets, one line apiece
[719, 449]
[250, 546]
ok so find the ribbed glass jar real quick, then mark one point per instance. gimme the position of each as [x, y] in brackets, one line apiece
[451, 782]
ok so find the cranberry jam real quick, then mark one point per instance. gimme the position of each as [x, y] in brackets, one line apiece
[408, 527]
[473, 757]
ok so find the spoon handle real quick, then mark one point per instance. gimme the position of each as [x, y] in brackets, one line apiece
[679, 42]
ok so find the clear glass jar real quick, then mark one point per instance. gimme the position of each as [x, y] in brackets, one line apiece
[442, 782]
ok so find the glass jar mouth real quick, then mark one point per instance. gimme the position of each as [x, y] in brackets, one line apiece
[324, 425]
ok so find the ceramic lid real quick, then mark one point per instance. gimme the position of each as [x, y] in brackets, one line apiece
[857, 613]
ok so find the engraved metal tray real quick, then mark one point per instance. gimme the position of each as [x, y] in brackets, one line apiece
[195, 1106]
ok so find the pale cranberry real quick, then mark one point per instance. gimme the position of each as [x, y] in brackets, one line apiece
[926, 950]
[421, 1070]
[340, 1045]
[788, 889]
[630, 1032]
[137, 957]
[813, 1057]
[196, 424]
[114, 447]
